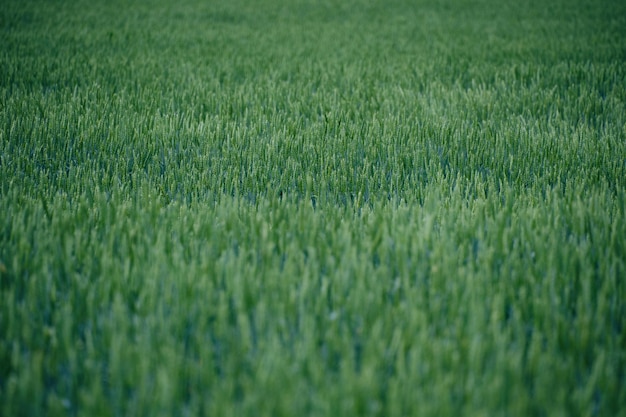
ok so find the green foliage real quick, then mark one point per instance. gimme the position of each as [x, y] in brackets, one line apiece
[312, 208]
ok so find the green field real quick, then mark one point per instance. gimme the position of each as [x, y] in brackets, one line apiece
[312, 208]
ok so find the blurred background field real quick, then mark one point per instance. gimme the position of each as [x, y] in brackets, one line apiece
[312, 208]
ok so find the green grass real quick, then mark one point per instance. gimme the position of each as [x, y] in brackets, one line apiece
[312, 208]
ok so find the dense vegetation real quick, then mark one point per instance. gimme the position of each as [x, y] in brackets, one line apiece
[312, 208]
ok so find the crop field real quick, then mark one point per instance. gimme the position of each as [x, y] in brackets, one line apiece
[312, 208]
